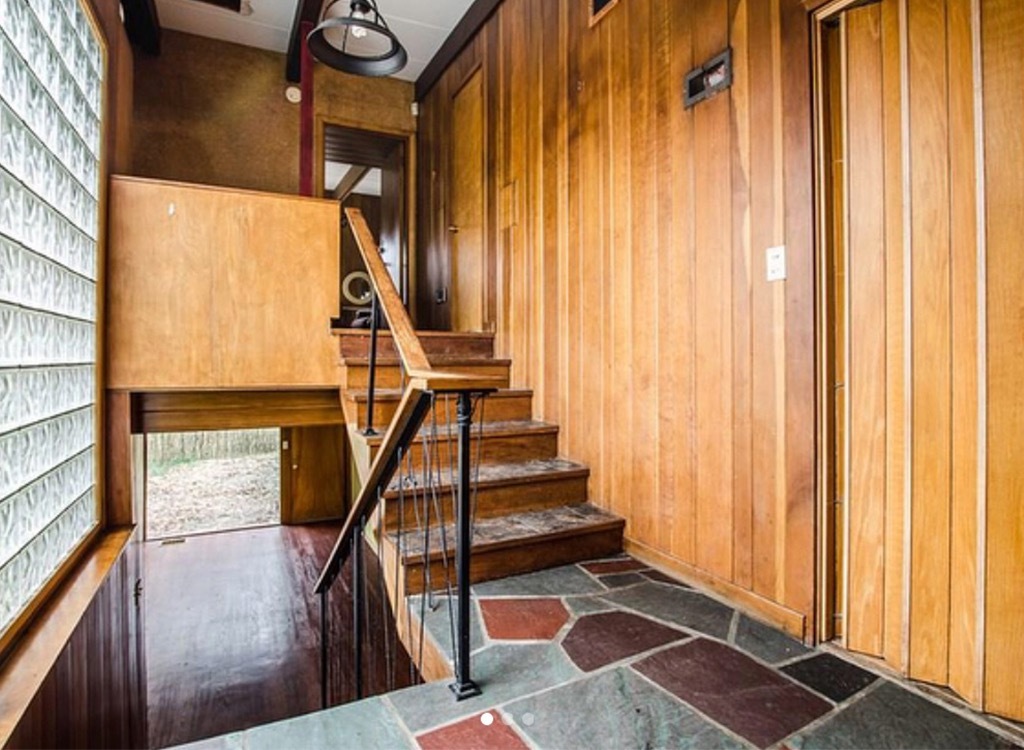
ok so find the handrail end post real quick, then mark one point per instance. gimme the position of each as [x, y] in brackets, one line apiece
[463, 687]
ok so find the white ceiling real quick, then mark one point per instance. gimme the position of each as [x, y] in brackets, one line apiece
[420, 25]
[334, 171]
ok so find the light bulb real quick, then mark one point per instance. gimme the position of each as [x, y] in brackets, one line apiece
[358, 32]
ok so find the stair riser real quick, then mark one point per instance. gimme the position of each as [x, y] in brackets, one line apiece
[358, 345]
[495, 449]
[492, 502]
[505, 409]
[357, 376]
[524, 558]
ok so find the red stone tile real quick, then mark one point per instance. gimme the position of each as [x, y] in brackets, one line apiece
[523, 619]
[596, 640]
[614, 566]
[472, 734]
[750, 699]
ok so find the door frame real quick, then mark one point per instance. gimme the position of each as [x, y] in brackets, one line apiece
[407, 257]
[825, 554]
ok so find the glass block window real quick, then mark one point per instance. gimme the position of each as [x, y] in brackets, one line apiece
[51, 82]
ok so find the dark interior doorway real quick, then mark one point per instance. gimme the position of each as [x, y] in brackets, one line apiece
[367, 170]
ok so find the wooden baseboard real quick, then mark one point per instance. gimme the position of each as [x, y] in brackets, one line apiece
[791, 621]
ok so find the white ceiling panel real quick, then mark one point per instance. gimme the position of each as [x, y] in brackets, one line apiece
[420, 26]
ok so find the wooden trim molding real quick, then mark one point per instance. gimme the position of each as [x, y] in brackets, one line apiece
[33, 656]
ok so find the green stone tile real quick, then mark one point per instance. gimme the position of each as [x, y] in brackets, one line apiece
[684, 607]
[615, 709]
[766, 642]
[587, 605]
[564, 581]
[365, 724]
[891, 718]
[504, 672]
[439, 625]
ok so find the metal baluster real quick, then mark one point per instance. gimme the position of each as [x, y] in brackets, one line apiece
[374, 320]
[323, 648]
[357, 606]
[463, 687]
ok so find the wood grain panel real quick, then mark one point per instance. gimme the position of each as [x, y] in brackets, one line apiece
[214, 288]
[631, 293]
[865, 292]
[186, 411]
[1002, 32]
[713, 339]
[931, 340]
[896, 354]
[964, 672]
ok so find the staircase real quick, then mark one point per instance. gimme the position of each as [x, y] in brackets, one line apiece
[531, 510]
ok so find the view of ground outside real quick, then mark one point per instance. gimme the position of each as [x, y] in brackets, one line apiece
[212, 481]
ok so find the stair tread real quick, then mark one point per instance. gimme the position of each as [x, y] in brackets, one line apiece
[439, 361]
[490, 429]
[517, 472]
[511, 529]
[361, 395]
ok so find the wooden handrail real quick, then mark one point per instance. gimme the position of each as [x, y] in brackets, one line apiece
[407, 420]
[403, 333]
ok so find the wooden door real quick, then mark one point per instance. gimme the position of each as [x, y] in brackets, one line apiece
[466, 207]
[312, 474]
[857, 288]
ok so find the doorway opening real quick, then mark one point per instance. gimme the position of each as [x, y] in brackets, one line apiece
[202, 482]
[367, 170]
[858, 285]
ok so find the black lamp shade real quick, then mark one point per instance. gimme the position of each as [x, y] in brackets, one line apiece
[359, 43]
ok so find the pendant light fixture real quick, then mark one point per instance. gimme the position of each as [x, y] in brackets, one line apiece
[357, 41]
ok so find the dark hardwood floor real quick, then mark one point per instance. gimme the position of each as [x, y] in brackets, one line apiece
[233, 631]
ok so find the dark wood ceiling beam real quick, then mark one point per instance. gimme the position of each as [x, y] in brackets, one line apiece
[307, 11]
[142, 24]
[461, 35]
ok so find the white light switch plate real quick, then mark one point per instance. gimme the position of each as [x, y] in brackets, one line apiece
[775, 264]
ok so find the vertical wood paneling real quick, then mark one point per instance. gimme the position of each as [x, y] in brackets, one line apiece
[713, 255]
[865, 292]
[895, 351]
[631, 295]
[94, 694]
[631, 292]
[1002, 32]
[963, 611]
[764, 76]
[931, 339]
[742, 283]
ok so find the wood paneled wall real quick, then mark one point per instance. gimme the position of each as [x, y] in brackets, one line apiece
[934, 509]
[216, 288]
[93, 693]
[628, 236]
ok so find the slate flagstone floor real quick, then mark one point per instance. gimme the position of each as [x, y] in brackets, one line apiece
[612, 654]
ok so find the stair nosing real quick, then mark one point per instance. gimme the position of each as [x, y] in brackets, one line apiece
[361, 395]
[415, 559]
[577, 471]
[387, 360]
[535, 428]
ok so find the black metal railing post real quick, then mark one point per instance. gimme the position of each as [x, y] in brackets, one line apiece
[324, 635]
[374, 325]
[357, 606]
[463, 687]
